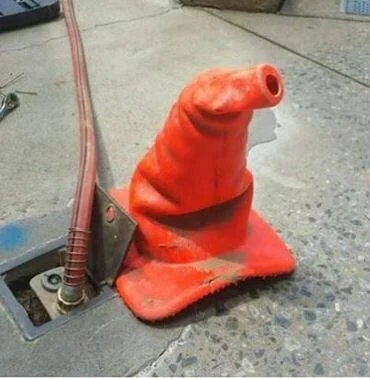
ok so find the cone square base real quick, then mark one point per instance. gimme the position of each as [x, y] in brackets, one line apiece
[155, 290]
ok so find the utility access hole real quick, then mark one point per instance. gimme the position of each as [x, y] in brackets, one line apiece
[38, 299]
[29, 301]
[28, 289]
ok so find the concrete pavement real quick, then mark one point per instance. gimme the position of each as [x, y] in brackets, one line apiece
[312, 184]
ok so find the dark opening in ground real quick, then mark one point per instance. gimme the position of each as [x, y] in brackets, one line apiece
[18, 281]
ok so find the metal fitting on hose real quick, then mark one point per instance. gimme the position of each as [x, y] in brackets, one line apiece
[67, 298]
[72, 293]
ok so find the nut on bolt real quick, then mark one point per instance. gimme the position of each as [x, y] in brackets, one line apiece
[51, 282]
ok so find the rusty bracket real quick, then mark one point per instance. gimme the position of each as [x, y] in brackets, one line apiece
[112, 231]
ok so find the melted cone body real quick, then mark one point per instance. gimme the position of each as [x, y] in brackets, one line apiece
[191, 196]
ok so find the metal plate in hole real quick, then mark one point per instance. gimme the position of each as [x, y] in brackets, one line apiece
[112, 231]
[47, 291]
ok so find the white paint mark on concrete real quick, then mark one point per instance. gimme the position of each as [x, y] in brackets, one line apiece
[359, 323]
[247, 366]
[337, 307]
[291, 344]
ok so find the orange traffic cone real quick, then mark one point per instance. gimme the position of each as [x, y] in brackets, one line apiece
[191, 196]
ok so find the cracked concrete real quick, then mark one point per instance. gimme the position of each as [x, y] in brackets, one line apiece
[311, 183]
[85, 12]
[322, 54]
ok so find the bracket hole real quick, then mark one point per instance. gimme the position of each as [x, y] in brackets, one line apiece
[110, 214]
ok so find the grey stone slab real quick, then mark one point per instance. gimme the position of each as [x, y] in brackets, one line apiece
[341, 45]
[90, 14]
[40, 138]
[105, 341]
[95, 13]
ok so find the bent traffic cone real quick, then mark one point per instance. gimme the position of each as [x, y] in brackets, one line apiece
[191, 196]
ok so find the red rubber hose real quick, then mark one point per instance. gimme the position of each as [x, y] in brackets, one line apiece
[79, 231]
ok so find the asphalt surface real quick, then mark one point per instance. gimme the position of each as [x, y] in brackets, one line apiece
[309, 156]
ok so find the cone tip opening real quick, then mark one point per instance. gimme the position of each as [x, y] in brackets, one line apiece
[272, 82]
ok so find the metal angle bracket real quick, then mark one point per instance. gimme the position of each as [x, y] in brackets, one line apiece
[112, 231]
